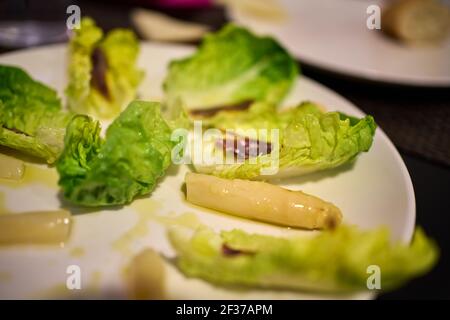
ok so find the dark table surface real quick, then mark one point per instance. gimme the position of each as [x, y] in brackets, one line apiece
[410, 116]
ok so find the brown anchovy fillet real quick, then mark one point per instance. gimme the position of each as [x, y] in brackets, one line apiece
[245, 147]
[244, 105]
[98, 73]
[227, 251]
[16, 131]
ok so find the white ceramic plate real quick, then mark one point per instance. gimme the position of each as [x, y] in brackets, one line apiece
[332, 35]
[376, 191]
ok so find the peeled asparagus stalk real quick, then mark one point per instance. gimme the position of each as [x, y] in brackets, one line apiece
[261, 201]
[146, 276]
[52, 227]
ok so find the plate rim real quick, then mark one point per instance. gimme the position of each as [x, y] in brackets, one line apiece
[406, 177]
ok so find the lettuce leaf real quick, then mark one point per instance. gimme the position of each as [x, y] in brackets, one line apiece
[308, 140]
[31, 119]
[231, 67]
[121, 49]
[103, 76]
[260, 115]
[332, 261]
[135, 153]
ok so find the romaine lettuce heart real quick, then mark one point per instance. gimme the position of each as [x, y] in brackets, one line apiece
[308, 140]
[332, 261]
[127, 163]
[231, 67]
[103, 76]
[31, 119]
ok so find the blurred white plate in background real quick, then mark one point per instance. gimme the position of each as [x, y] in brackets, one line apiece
[333, 35]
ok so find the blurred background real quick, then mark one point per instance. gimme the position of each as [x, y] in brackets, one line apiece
[400, 73]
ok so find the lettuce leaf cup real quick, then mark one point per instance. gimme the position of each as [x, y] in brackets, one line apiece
[331, 261]
[103, 75]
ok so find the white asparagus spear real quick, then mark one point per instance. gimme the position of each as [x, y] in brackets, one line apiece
[261, 201]
[46, 227]
[11, 168]
[146, 276]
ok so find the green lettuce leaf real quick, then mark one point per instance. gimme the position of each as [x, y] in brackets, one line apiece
[105, 87]
[231, 67]
[260, 115]
[308, 140]
[135, 153]
[332, 261]
[31, 119]
[121, 49]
